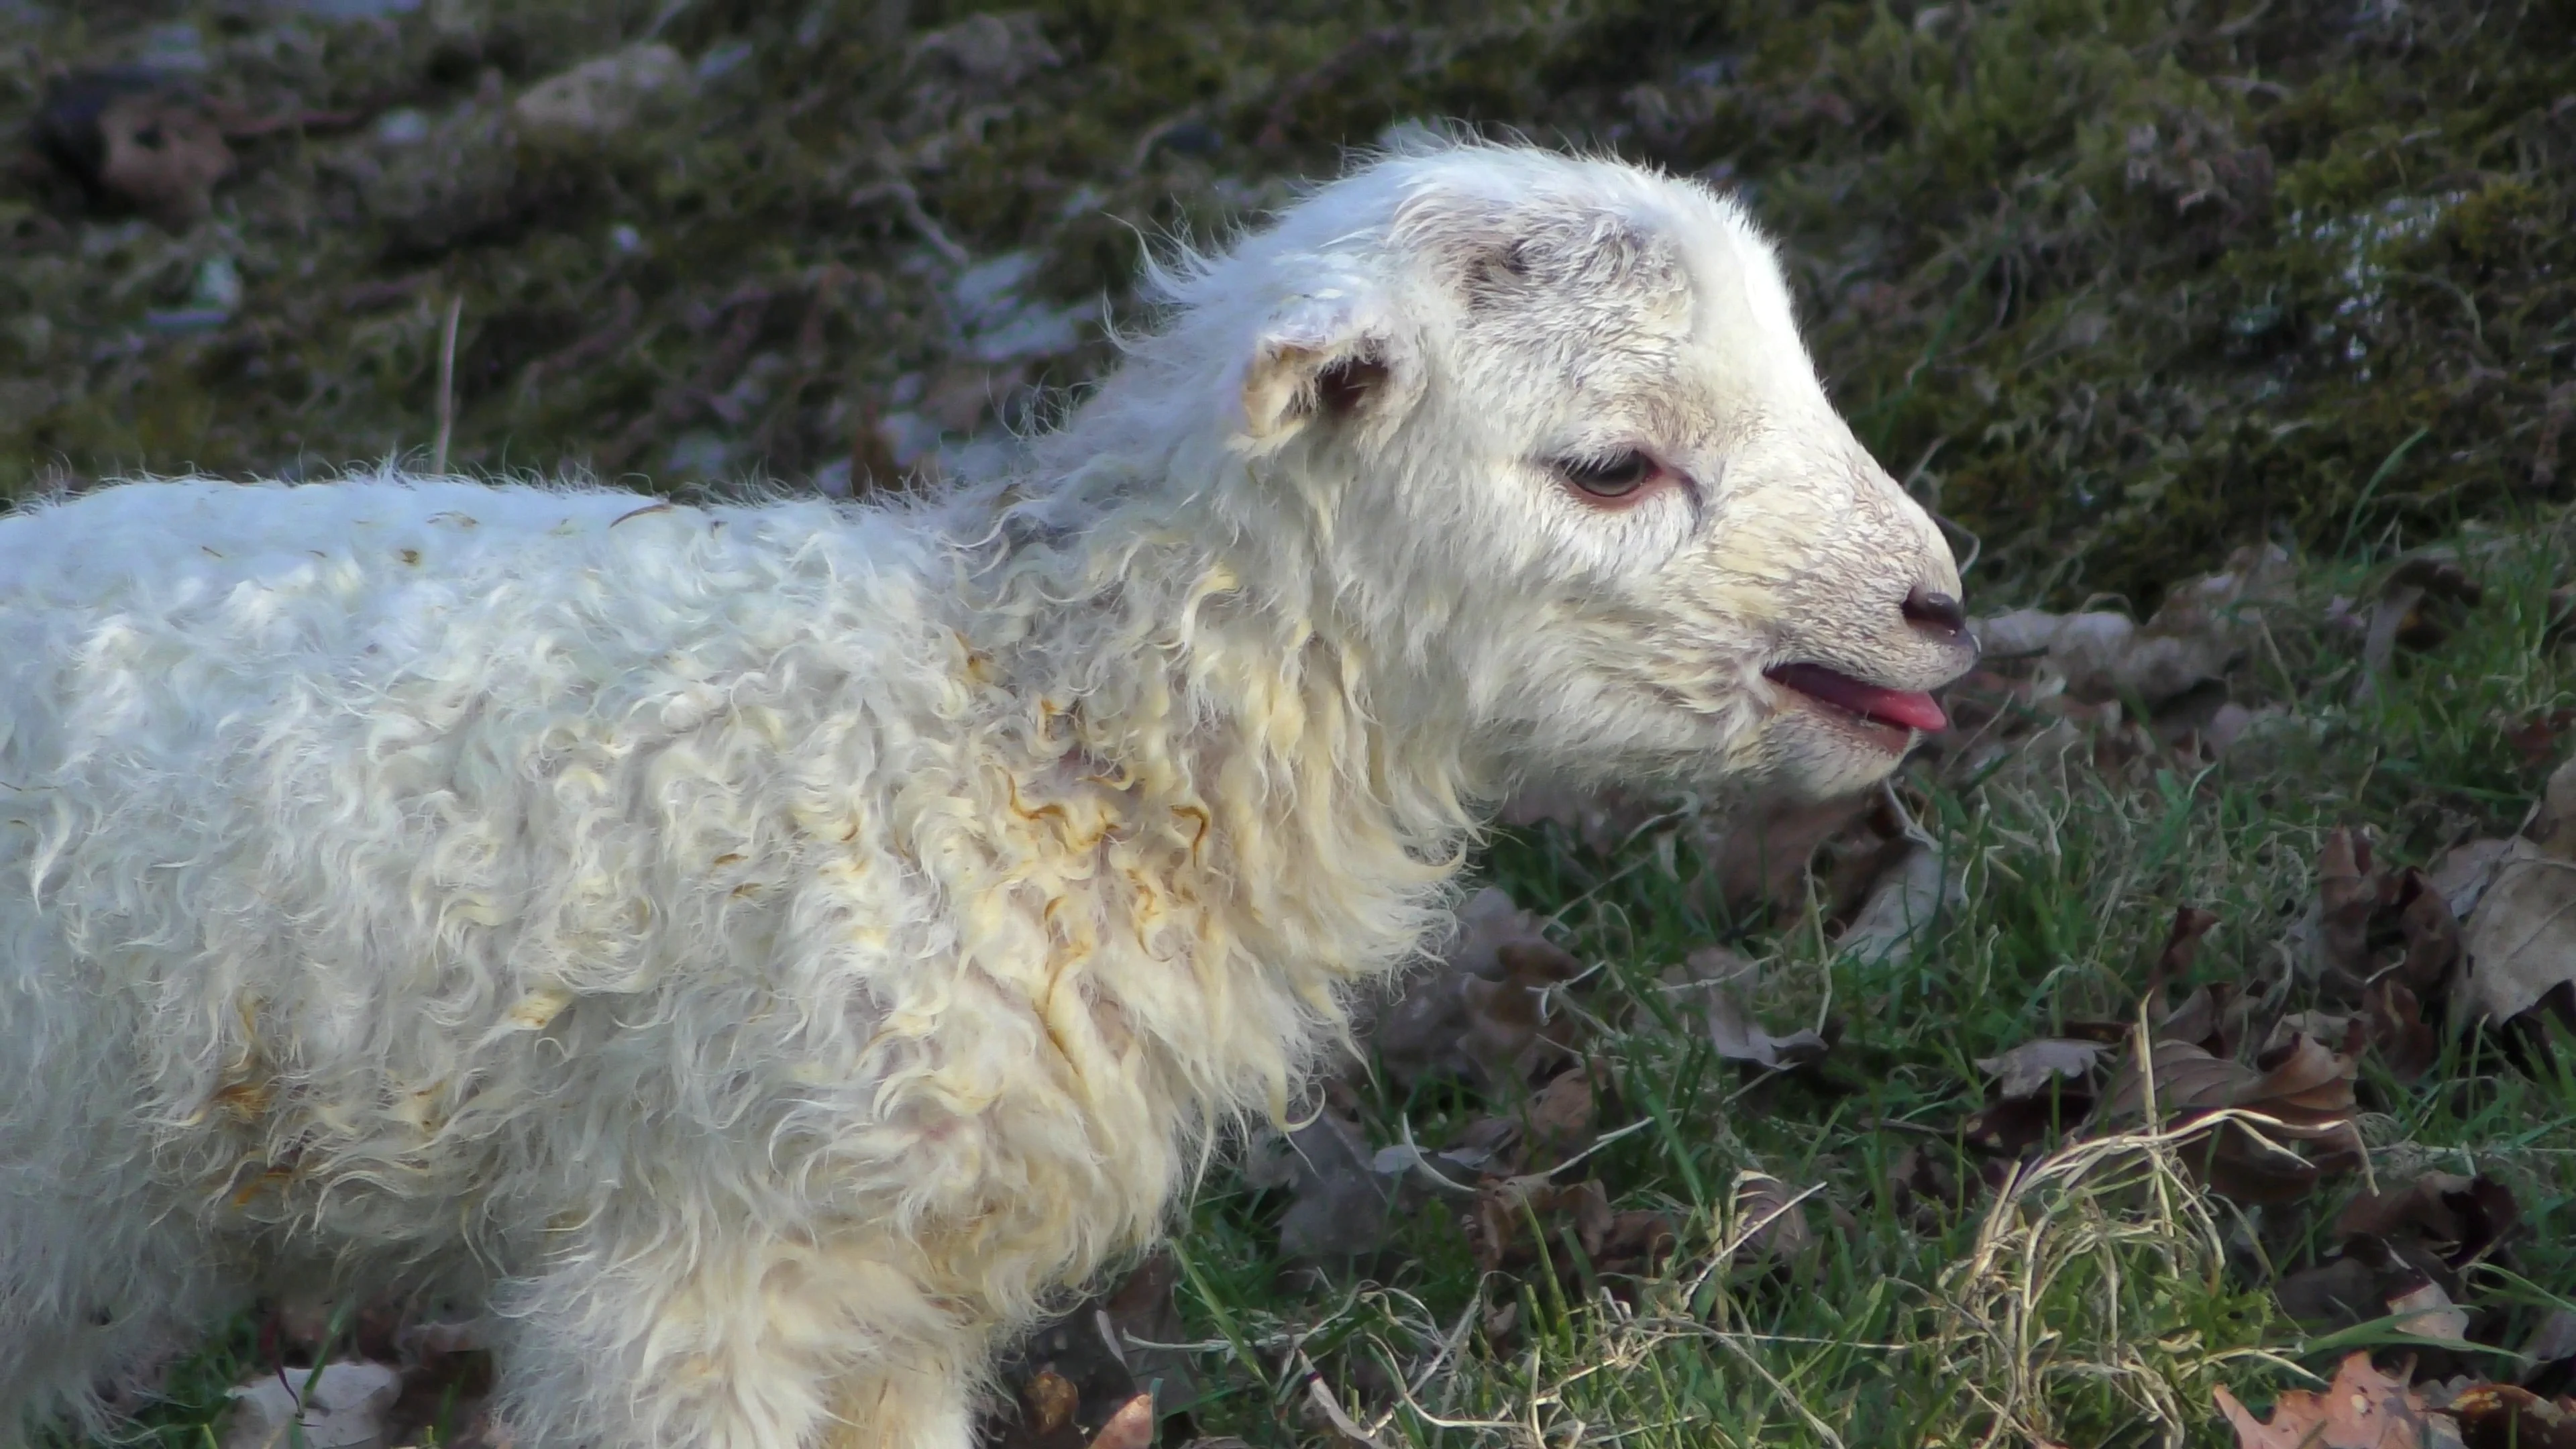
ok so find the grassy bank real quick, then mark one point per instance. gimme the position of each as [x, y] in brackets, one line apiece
[2121, 285]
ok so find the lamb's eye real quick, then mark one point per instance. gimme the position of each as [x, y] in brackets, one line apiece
[1615, 476]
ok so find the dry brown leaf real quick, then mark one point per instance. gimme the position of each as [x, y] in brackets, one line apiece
[1083, 1380]
[1561, 1117]
[2393, 1022]
[1739, 1038]
[2212, 1018]
[2026, 1070]
[2459, 1219]
[1901, 909]
[2463, 873]
[2342, 1291]
[1495, 1227]
[2415, 610]
[1767, 856]
[1339, 1201]
[1575, 1218]
[1513, 1033]
[1131, 1427]
[1718, 966]
[2045, 1085]
[2521, 940]
[2200, 630]
[1635, 1243]
[2182, 947]
[1488, 1147]
[2552, 1341]
[1755, 857]
[2008, 1127]
[2430, 930]
[1142, 1313]
[2344, 1033]
[2427, 1312]
[2187, 1078]
[2501, 1416]
[1765, 859]
[1051, 1399]
[2363, 1409]
[2373, 923]
[1481, 1013]
[2347, 894]
[1771, 1220]
[2307, 1089]
[2536, 739]
[135, 138]
[2366, 1280]
[1921, 1191]
[1589, 1202]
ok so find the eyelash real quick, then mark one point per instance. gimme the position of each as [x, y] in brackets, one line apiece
[1616, 479]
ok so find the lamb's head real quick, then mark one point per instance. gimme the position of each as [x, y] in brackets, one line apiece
[1541, 434]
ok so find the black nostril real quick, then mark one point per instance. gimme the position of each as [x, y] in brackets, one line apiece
[1940, 611]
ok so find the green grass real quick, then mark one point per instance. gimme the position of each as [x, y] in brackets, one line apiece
[2101, 1301]
[2098, 1298]
[195, 1394]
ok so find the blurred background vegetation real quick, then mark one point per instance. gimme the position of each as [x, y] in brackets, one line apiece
[2117, 284]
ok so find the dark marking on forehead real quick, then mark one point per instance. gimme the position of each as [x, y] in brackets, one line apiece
[1544, 250]
[1491, 274]
[1586, 260]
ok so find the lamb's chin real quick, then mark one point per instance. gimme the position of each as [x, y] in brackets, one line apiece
[1817, 752]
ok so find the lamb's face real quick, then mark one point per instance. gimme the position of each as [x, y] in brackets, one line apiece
[1590, 483]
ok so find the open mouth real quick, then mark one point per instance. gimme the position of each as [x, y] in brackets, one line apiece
[1906, 710]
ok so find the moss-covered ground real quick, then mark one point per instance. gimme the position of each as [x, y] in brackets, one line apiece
[2120, 283]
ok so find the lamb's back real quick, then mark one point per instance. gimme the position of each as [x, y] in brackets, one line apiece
[350, 793]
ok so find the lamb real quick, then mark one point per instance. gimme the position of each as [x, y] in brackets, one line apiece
[763, 952]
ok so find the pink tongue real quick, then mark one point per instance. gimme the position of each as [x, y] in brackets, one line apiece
[1912, 710]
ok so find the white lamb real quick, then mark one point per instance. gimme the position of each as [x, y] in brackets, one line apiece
[765, 952]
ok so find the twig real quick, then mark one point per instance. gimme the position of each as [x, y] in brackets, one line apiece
[1818, 1426]
[907, 203]
[1322, 1398]
[446, 383]
[1421, 1164]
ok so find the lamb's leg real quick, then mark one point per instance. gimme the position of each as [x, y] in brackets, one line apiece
[97, 1297]
[924, 1406]
[733, 1346]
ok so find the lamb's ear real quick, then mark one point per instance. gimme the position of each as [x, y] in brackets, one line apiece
[1329, 355]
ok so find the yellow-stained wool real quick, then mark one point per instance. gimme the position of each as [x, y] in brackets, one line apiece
[764, 951]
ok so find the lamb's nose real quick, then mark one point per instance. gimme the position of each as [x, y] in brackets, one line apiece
[1936, 611]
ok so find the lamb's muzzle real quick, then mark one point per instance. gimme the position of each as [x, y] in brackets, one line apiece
[1888, 718]
[763, 952]
[1941, 613]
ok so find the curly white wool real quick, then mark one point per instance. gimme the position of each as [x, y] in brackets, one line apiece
[763, 951]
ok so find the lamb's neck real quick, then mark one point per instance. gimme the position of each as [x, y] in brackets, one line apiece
[1331, 829]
